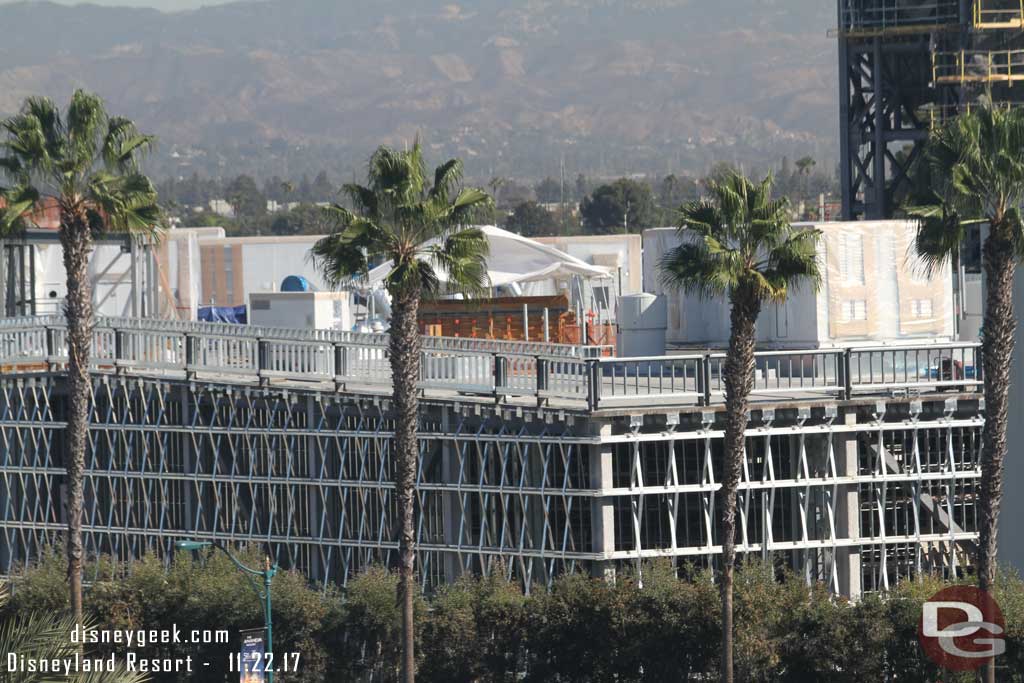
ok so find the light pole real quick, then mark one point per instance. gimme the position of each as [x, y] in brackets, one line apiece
[264, 595]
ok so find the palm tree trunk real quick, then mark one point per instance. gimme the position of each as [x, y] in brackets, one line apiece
[76, 241]
[405, 371]
[997, 351]
[738, 375]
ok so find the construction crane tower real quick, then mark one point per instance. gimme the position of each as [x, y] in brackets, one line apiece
[906, 66]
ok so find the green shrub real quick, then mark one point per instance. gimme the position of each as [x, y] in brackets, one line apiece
[485, 630]
[475, 630]
[672, 626]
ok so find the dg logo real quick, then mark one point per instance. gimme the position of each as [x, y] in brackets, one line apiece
[961, 628]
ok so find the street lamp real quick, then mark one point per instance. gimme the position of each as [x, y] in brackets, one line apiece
[267, 573]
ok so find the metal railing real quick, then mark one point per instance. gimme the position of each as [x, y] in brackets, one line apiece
[554, 374]
[940, 114]
[858, 18]
[990, 14]
[978, 66]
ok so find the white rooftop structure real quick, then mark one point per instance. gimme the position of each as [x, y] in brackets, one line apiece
[519, 261]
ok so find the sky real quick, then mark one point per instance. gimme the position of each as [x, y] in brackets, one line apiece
[164, 5]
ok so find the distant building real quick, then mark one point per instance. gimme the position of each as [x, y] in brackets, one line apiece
[871, 291]
[555, 207]
[222, 207]
[234, 267]
[622, 254]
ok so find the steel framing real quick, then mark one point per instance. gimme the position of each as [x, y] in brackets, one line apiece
[885, 83]
[905, 66]
[534, 460]
[857, 496]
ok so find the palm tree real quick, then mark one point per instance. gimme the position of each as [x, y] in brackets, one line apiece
[805, 164]
[86, 164]
[973, 173]
[738, 244]
[400, 216]
[38, 637]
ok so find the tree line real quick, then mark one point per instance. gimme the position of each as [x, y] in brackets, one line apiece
[580, 206]
[630, 205]
[197, 190]
[486, 629]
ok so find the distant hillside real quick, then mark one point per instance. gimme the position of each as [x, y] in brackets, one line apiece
[614, 86]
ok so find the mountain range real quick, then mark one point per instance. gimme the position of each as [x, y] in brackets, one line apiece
[516, 87]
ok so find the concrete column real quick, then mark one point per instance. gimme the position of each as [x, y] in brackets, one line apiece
[602, 511]
[134, 271]
[152, 283]
[848, 510]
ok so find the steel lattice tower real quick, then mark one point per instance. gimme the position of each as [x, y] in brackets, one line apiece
[904, 67]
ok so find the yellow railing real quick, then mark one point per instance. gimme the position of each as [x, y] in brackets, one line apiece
[939, 114]
[978, 66]
[1008, 14]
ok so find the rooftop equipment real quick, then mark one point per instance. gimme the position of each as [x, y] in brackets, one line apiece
[296, 283]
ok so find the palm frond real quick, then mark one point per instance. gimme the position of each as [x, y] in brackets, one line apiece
[466, 203]
[341, 256]
[13, 168]
[397, 217]
[124, 203]
[42, 636]
[701, 216]
[740, 238]
[397, 177]
[28, 146]
[462, 257]
[43, 116]
[86, 119]
[123, 144]
[447, 178]
[411, 274]
[972, 173]
[18, 203]
[364, 199]
[694, 269]
[793, 263]
[85, 159]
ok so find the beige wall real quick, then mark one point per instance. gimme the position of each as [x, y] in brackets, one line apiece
[234, 267]
[874, 288]
[609, 251]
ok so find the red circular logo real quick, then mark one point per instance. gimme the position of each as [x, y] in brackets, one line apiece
[961, 628]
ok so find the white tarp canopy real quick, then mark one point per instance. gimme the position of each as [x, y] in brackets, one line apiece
[517, 260]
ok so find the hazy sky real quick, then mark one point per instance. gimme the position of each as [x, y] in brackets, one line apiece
[165, 5]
